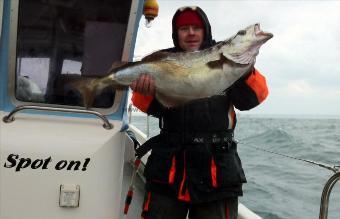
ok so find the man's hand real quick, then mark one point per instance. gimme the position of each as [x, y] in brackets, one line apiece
[145, 85]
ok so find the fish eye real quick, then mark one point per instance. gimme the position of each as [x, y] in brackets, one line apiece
[242, 32]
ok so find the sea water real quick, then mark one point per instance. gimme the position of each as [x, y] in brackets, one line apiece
[279, 187]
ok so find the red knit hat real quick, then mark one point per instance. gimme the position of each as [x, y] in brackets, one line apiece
[188, 17]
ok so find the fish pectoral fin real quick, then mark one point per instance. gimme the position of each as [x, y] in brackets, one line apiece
[219, 63]
[215, 64]
[240, 58]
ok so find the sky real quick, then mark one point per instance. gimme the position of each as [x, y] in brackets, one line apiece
[301, 62]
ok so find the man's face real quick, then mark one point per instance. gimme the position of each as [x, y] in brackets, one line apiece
[190, 37]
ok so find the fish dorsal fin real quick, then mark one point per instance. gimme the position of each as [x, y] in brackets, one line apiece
[117, 64]
[157, 56]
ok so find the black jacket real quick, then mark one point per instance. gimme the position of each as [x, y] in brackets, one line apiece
[195, 159]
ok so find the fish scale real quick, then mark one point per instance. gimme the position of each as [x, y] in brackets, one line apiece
[185, 76]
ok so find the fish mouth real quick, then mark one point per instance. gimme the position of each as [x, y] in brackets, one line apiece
[261, 33]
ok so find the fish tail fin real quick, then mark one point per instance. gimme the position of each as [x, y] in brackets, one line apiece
[94, 87]
[85, 90]
[89, 88]
[88, 98]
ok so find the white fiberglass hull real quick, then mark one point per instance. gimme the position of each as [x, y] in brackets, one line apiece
[40, 153]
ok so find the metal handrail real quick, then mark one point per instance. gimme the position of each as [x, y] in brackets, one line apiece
[147, 120]
[130, 112]
[10, 117]
[326, 193]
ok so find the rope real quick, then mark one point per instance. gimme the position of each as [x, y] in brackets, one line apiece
[334, 168]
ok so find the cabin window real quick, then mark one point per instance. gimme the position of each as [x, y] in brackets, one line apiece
[63, 42]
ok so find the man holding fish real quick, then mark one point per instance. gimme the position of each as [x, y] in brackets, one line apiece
[194, 166]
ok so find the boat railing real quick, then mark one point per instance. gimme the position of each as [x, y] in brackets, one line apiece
[326, 193]
[329, 184]
[130, 110]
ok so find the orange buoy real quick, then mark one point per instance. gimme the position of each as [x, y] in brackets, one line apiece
[150, 10]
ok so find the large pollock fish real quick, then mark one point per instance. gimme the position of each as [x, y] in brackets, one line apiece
[185, 76]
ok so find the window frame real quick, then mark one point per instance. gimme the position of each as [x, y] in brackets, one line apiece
[1, 15]
[128, 48]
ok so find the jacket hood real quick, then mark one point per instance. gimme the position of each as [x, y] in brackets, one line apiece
[207, 42]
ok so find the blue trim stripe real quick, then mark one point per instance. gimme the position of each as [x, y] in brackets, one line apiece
[4, 46]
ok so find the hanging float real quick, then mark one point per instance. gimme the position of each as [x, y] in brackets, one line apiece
[150, 11]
